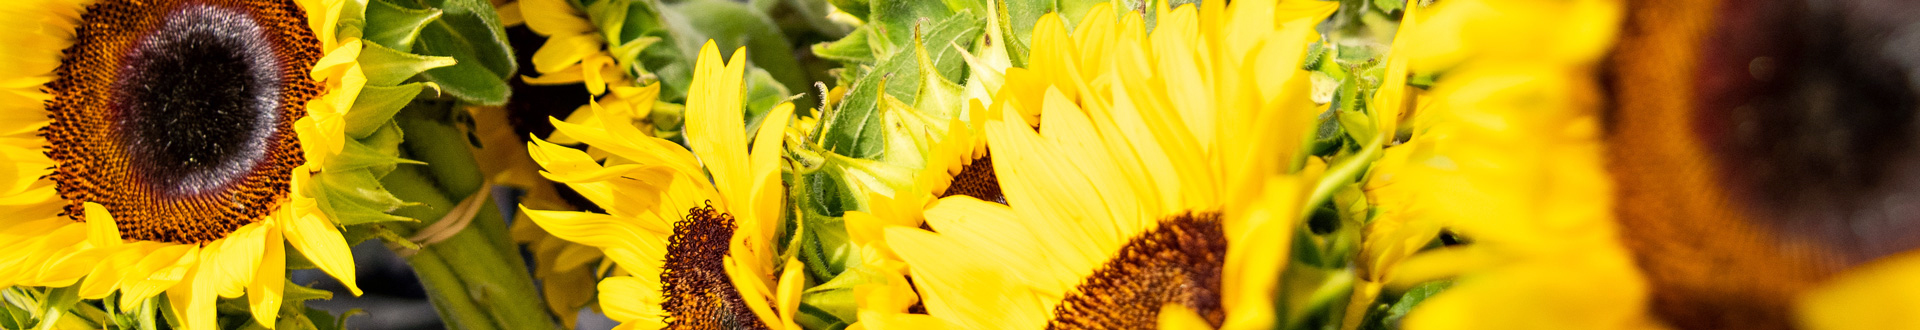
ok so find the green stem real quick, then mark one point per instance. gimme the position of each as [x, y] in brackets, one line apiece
[456, 308]
[479, 265]
[432, 138]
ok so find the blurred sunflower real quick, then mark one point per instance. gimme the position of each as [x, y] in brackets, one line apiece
[567, 271]
[1151, 193]
[1513, 162]
[178, 146]
[691, 252]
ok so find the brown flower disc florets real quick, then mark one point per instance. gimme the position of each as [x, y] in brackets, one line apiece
[1180, 262]
[699, 295]
[177, 115]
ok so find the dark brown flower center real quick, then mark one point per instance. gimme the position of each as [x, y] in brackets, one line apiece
[978, 180]
[1178, 263]
[177, 115]
[699, 295]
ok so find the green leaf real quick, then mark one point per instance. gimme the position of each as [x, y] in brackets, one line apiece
[895, 22]
[399, 25]
[376, 106]
[732, 25]
[387, 67]
[469, 31]
[763, 93]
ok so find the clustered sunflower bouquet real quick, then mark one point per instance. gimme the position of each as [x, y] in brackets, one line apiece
[965, 164]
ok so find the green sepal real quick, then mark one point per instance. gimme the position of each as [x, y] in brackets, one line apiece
[351, 201]
[353, 20]
[399, 25]
[377, 104]
[235, 313]
[857, 8]
[810, 317]
[388, 67]
[468, 31]
[836, 298]
[847, 130]
[362, 232]
[1018, 19]
[1328, 137]
[937, 95]
[825, 250]
[1312, 297]
[1394, 309]
[852, 49]
[360, 157]
[1317, 55]
[54, 305]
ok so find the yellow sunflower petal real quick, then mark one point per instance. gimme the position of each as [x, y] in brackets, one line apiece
[753, 288]
[317, 239]
[101, 230]
[1177, 317]
[714, 116]
[192, 299]
[630, 242]
[161, 269]
[1880, 295]
[961, 287]
[106, 276]
[764, 172]
[792, 281]
[563, 51]
[628, 299]
[238, 259]
[554, 17]
[268, 285]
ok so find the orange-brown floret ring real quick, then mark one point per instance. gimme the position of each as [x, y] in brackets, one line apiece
[177, 115]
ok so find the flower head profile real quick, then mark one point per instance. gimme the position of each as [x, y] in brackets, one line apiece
[181, 146]
[1154, 191]
[693, 232]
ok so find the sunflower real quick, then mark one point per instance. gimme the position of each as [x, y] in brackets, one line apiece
[1153, 191]
[695, 253]
[578, 51]
[1515, 165]
[178, 146]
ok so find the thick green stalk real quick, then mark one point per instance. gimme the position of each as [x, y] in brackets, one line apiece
[478, 266]
[456, 308]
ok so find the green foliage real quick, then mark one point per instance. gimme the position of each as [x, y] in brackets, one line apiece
[468, 31]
